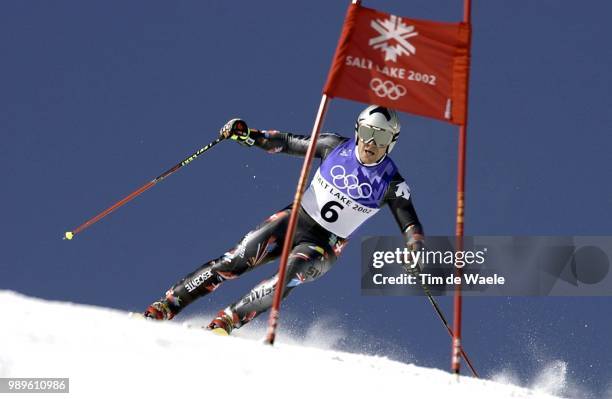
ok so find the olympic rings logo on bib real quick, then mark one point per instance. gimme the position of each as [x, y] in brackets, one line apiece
[349, 182]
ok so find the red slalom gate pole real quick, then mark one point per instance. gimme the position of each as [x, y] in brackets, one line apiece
[282, 269]
[456, 342]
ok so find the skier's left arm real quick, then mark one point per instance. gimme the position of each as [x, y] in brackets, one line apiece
[400, 203]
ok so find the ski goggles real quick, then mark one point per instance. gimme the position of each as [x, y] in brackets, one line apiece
[382, 138]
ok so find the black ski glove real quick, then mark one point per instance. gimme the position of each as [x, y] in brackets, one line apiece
[415, 241]
[237, 129]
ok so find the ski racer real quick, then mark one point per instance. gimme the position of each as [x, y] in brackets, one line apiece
[355, 179]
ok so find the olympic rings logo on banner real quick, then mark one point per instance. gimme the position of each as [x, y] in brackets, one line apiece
[387, 89]
[349, 182]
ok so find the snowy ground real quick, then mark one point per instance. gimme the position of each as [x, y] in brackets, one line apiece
[105, 353]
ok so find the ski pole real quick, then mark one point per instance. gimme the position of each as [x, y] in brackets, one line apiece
[434, 303]
[70, 234]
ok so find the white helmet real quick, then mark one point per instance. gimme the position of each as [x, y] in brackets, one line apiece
[379, 124]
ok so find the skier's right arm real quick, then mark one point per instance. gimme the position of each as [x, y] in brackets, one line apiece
[274, 141]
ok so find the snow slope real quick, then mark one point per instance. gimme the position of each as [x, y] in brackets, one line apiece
[105, 353]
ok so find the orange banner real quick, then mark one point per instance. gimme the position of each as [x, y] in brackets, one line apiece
[415, 66]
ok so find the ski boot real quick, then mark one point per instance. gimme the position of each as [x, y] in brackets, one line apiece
[223, 324]
[158, 311]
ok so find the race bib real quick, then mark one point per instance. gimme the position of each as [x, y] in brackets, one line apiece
[333, 209]
[344, 193]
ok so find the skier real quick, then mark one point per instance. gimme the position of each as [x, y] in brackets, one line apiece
[355, 179]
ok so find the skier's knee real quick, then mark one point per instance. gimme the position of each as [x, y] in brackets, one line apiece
[305, 267]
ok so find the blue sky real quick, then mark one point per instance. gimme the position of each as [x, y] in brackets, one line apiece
[98, 98]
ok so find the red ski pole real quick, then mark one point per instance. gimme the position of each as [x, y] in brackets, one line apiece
[70, 234]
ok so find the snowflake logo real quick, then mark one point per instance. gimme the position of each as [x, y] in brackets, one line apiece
[393, 29]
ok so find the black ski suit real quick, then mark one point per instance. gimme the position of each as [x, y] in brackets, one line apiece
[314, 251]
